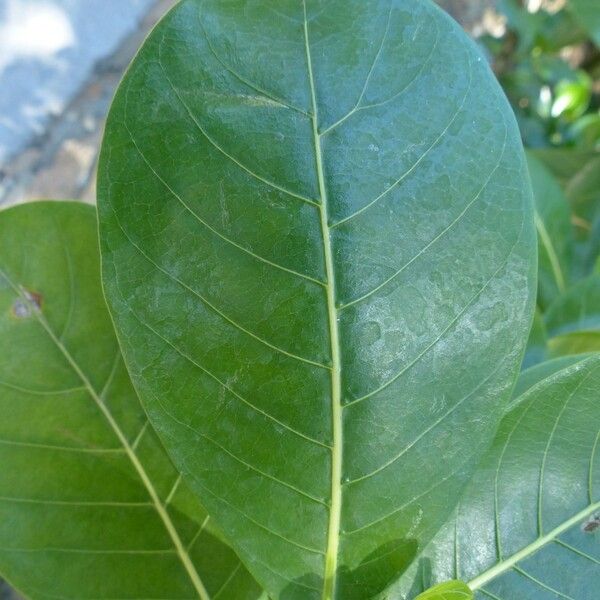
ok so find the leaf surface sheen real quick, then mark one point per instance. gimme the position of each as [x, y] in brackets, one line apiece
[90, 505]
[319, 259]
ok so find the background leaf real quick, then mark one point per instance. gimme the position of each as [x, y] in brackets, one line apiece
[319, 279]
[537, 349]
[555, 237]
[528, 524]
[90, 505]
[573, 320]
[588, 15]
[578, 171]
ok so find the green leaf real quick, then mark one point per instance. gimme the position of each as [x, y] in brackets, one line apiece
[566, 164]
[318, 250]
[588, 15]
[579, 174]
[536, 351]
[582, 188]
[577, 310]
[90, 505]
[573, 320]
[572, 96]
[529, 377]
[578, 342]
[451, 590]
[583, 191]
[555, 238]
[527, 526]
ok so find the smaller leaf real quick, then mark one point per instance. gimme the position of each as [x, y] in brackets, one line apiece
[527, 525]
[451, 590]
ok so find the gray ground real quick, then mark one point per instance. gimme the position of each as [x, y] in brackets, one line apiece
[47, 50]
[53, 153]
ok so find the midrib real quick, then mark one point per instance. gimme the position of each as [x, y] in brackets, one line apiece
[510, 562]
[160, 509]
[333, 533]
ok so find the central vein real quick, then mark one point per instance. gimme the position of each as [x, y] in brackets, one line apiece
[333, 534]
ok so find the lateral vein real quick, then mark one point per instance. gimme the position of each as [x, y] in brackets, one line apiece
[415, 165]
[214, 308]
[222, 150]
[214, 231]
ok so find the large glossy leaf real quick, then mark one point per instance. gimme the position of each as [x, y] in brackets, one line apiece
[319, 252]
[90, 505]
[528, 525]
[555, 237]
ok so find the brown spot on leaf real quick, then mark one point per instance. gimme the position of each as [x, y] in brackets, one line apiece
[591, 525]
[23, 307]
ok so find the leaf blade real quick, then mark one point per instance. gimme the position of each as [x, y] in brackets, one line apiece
[276, 180]
[586, 13]
[86, 480]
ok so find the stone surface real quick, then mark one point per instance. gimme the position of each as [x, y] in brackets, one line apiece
[60, 161]
[7, 593]
[48, 49]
